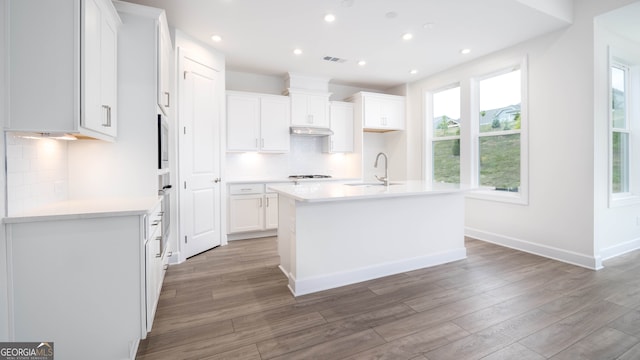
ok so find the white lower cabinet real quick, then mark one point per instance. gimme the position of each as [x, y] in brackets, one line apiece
[154, 264]
[84, 282]
[251, 208]
[271, 211]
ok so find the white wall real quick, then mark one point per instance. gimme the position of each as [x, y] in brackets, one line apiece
[617, 229]
[558, 220]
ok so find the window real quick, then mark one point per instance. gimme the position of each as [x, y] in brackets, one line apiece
[620, 129]
[445, 139]
[499, 131]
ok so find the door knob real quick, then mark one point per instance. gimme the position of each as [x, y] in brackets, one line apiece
[216, 180]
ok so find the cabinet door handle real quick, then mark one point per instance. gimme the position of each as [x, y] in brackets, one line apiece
[168, 102]
[107, 112]
[159, 254]
[260, 202]
[217, 180]
[267, 202]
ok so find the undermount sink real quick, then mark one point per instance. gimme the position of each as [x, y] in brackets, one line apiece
[373, 184]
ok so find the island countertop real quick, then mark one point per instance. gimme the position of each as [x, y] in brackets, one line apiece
[318, 192]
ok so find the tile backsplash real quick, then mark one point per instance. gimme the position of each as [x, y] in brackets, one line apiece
[36, 173]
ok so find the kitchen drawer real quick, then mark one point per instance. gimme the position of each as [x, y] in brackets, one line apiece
[239, 189]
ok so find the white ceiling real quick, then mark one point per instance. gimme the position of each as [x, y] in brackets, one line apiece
[259, 35]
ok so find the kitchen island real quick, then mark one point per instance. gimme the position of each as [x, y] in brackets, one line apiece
[333, 234]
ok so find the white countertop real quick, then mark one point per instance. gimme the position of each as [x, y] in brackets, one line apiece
[316, 192]
[253, 180]
[83, 209]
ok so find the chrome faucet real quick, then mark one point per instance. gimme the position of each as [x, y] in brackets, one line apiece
[385, 179]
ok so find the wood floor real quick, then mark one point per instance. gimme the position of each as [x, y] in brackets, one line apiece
[232, 303]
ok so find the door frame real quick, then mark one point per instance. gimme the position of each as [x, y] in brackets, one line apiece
[210, 60]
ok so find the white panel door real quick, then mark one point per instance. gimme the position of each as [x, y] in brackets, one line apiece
[199, 127]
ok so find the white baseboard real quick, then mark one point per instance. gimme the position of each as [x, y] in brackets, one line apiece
[252, 235]
[310, 285]
[570, 257]
[620, 249]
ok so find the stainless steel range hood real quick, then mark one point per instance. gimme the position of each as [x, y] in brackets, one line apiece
[310, 131]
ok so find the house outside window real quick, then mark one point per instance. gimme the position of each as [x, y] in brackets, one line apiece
[445, 135]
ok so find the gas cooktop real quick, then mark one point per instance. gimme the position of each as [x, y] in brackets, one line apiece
[309, 176]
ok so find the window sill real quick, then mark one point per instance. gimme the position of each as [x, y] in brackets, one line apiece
[518, 198]
[620, 200]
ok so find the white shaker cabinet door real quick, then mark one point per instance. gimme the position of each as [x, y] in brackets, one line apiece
[274, 124]
[246, 213]
[243, 123]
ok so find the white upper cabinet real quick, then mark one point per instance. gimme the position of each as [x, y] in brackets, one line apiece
[341, 116]
[380, 112]
[257, 122]
[309, 109]
[165, 56]
[63, 67]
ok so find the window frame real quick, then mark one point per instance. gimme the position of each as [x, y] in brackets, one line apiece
[486, 193]
[632, 129]
[431, 138]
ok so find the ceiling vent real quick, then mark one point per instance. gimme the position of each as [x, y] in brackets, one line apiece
[334, 59]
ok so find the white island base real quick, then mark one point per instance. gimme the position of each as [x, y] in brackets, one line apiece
[362, 234]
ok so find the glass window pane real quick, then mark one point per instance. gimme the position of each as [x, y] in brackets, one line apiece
[500, 99]
[446, 161]
[620, 163]
[618, 98]
[446, 112]
[500, 161]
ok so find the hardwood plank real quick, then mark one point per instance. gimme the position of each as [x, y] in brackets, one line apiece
[505, 310]
[337, 348]
[631, 354]
[414, 345]
[444, 313]
[628, 323]
[313, 336]
[220, 344]
[604, 343]
[514, 351]
[555, 338]
[524, 325]
[249, 352]
[474, 346]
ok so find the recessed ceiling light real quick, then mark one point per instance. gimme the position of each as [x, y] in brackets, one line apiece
[407, 36]
[465, 51]
[413, 72]
[297, 51]
[216, 38]
[329, 18]
[428, 25]
[391, 15]
[362, 63]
